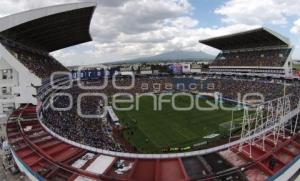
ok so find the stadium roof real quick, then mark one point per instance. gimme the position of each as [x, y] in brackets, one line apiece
[50, 28]
[261, 37]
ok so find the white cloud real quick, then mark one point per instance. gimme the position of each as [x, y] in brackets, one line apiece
[296, 28]
[143, 28]
[13, 6]
[183, 22]
[154, 42]
[124, 29]
[296, 54]
[258, 11]
[263, 12]
[136, 16]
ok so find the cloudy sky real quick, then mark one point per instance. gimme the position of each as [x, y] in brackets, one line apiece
[125, 29]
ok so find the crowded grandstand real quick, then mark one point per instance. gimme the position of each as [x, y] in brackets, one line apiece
[64, 125]
[259, 51]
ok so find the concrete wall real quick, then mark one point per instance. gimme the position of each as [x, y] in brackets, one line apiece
[18, 83]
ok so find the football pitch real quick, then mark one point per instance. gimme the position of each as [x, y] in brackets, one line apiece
[152, 131]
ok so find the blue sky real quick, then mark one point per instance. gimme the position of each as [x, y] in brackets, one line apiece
[126, 29]
[204, 12]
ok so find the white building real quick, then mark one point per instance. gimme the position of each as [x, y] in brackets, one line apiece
[146, 70]
[8, 80]
[186, 68]
[127, 70]
[196, 68]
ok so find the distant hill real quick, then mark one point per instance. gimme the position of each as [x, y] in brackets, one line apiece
[173, 56]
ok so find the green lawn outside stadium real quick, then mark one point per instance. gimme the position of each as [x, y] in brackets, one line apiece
[151, 131]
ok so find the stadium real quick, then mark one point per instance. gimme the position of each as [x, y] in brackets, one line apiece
[238, 120]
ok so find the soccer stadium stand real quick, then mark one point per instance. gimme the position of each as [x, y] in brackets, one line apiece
[98, 132]
[27, 38]
[57, 159]
[256, 51]
[57, 144]
[261, 58]
[38, 62]
[95, 132]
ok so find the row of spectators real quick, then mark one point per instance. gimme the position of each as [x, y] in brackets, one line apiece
[97, 132]
[231, 88]
[38, 62]
[265, 58]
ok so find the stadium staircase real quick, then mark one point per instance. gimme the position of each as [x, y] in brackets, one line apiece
[284, 152]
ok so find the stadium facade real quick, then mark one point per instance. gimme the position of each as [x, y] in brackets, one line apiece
[27, 39]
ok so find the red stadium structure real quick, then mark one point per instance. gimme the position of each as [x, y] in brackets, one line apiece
[42, 154]
[52, 159]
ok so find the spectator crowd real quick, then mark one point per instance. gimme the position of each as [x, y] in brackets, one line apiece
[262, 58]
[98, 132]
[39, 62]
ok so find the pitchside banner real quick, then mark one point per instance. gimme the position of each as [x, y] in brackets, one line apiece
[176, 68]
[90, 74]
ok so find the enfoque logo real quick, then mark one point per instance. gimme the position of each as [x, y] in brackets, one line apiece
[126, 99]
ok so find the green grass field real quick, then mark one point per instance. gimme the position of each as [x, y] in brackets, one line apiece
[297, 67]
[151, 131]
